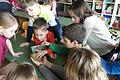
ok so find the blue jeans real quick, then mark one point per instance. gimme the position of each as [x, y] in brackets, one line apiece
[30, 31]
[5, 7]
[112, 68]
[57, 30]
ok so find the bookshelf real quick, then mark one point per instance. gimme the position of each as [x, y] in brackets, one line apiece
[108, 9]
[62, 8]
[116, 15]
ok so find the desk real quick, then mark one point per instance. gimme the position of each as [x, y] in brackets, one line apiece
[63, 20]
[25, 57]
[21, 14]
[27, 52]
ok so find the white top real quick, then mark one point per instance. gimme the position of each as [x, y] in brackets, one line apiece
[100, 37]
[7, 1]
[47, 14]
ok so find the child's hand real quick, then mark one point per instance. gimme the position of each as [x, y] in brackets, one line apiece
[17, 54]
[114, 57]
[40, 54]
[45, 43]
[24, 44]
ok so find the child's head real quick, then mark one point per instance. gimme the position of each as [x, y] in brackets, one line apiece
[24, 71]
[32, 7]
[84, 64]
[73, 35]
[8, 24]
[79, 10]
[41, 27]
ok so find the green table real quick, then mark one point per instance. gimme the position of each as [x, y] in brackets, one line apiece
[27, 52]
[63, 20]
[25, 57]
[21, 14]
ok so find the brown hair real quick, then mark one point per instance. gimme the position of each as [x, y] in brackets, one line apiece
[81, 9]
[40, 23]
[84, 64]
[7, 20]
[28, 2]
[75, 32]
[24, 71]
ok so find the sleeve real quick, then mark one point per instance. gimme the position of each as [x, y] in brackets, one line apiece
[49, 51]
[59, 70]
[51, 37]
[48, 74]
[1, 52]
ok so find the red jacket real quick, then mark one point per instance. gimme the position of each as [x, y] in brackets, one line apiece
[50, 38]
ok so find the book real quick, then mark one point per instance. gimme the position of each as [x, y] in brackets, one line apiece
[37, 48]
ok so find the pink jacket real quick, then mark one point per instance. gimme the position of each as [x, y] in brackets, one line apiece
[3, 48]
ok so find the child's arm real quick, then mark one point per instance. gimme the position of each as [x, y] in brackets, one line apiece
[53, 4]
[10, 48]
[45, 43]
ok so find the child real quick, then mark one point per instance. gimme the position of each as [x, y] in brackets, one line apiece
[8, 26]
[35, 10]
[99, 37]
[21, 71]
[43, 37]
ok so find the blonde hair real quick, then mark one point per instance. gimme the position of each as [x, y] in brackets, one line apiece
[7, 20]
[84, 64]
[24, 71]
